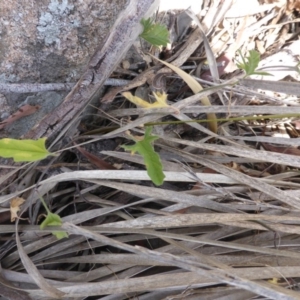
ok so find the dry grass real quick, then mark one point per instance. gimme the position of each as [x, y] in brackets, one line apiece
[224, 225]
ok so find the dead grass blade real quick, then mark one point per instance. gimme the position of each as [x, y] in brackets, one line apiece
[9, 291]
[261, 155]
[133, 175]
[241, 260]
[166, 281]
[163, 194]
[34, 272]
[209, 53]
[290, 88]
[199, 240]
[218, 275]
[201, 219]
[247, 180]
[236, 109]
[196, 88]
[222, 276]
[258, 288]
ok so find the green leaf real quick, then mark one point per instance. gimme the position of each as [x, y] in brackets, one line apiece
[155, 34]
[151, 159]
[250, 63]
[262, 73]
[23, 150]
[54, 220]
[253, 61]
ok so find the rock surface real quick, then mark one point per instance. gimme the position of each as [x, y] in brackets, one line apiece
[49, 41]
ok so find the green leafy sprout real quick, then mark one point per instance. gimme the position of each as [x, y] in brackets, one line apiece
[250, 63]
[28, 151]
[52, 220]
[154, 33]
[143, 145]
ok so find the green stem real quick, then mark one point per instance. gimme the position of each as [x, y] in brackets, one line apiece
[226, 119]
[45, 205]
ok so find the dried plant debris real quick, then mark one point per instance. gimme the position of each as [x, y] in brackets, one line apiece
[220, 217]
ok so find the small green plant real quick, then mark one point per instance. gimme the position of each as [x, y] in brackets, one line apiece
[154, 33]
[143, 145]
[52, 220]
[250, 63]
[24, 150]
[297, 67]
[28, 151]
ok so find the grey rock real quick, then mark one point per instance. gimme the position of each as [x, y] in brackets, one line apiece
[47, 102]
[50, 41]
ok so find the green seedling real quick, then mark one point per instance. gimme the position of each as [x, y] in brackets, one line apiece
[250, 63]
[154, 33]
[52, 220]
[24, 150]
[143, 145]
[297, 67]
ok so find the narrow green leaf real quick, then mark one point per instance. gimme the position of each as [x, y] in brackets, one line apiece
[151, 159]
[155, 34]
[241, 66]
[262, 73]
[297, 67]
[23, 150]
[243, 59]
[54, 220]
